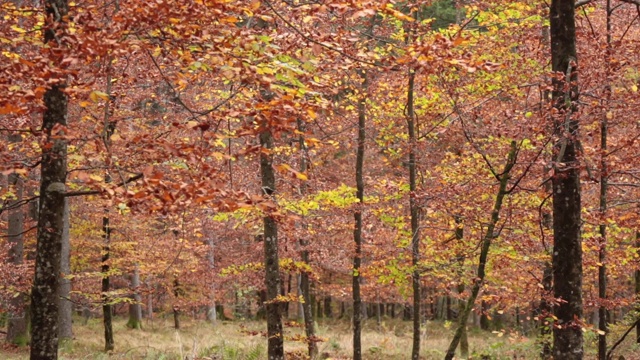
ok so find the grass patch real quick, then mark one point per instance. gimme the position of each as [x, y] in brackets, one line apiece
[227, 340]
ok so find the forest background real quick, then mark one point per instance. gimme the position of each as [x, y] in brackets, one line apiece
[291, 160]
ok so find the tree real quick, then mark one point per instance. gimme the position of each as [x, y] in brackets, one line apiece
[567, 247]
[271, 260]
[53, 169]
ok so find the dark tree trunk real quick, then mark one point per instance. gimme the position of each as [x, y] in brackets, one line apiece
[53, 169]
[272, 267]
[17, 332]
[319, 308]
[107, 313]
[327, 307]
[637, 289]
[65, 327]
[415, 220]
[604, 182]
[484, 251]
[567, 249]
[407, 314]
[107, 308]
[176, 307]
[357, 232]
[464, 341]
[484, 318]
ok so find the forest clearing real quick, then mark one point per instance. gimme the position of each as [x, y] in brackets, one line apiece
[310, 179]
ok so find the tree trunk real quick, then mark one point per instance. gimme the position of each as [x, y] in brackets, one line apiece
[53, 169]
[637, 278]
[357, 232]
[484, 318]
[107, 313]
[567, 248]
[327, 307]
[135, 308]
[176, 307]
[464, 341]
[212, 315]
[65, 327]
[414, 213]
[489, 235]
[604, 179]
[271, 262]
[17, 331]
[150, 306]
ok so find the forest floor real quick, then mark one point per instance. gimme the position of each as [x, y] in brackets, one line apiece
[242, 340]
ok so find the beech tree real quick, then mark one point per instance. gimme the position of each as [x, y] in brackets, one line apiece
[567, 246]
[53, 173]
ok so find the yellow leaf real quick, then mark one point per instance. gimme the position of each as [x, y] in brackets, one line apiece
[301, 176]
[255, 4]
[609, 115]
[96, 95]
[634, 88]
[312, 114]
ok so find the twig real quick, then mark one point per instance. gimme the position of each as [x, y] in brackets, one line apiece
[610, 352]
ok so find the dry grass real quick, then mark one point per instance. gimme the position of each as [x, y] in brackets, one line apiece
[242, 341]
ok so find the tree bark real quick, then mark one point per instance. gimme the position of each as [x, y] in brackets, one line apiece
[135, 308]
[637, 280]
[107, 311]
[357, 232]
[415, 220]
[53, 169]
[273, 284]
[17, 331]
[484, 251]
[604, 179]
[464, 341]
[567, 248]
[65, 327]
[212, 315]
[176, 307]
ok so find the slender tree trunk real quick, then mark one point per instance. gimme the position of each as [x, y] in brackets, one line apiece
[53, 169]
[176, 307]
[65, 327]
[212, 315]
[567, 248]
[484, 319]
[464, 341]
[637, 278]
[107, 311]
[272, 267]
[17, 331]
[135, 308]
[357, 232]
[604, 179]
[415, 220]
[328, 313]
[484, 251]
